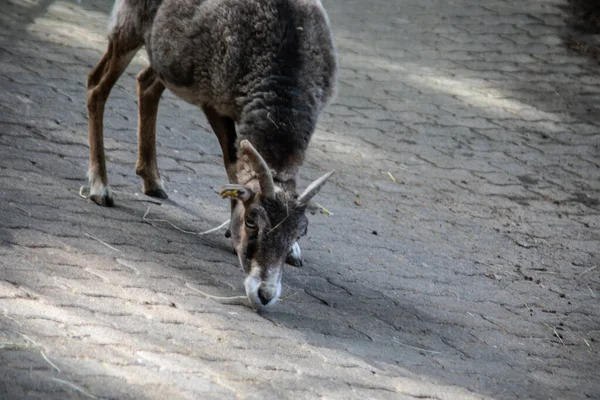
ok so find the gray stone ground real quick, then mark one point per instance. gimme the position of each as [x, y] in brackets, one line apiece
[460, 262]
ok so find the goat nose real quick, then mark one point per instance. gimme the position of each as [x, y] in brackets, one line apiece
[262, 293]
[265, 296]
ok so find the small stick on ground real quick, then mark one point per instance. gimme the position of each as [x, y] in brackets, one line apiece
[214, 229]
[26, 337]
[5, 313]
[588, 270]
[75, 387]
[100, 241]
[81, 189]
[282, 299]
[325, 211]
[556, 334]
[20, 209]
[415, 348]
[146, 219]
[128, 264]
[210, 296]
[49, 362]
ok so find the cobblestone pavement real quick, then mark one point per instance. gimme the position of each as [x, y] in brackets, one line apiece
[461, 260]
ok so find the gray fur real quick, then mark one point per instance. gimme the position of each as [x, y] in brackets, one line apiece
[262, 71]
[270, 65]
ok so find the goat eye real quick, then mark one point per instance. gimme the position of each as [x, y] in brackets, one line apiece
[250, 224]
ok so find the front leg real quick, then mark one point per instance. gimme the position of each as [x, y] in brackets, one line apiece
[224, 128]
[149, 89]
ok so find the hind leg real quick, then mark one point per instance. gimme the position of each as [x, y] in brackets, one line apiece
[150, 89]
[100, 82]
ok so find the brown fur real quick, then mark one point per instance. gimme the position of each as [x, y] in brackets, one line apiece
[261, 70]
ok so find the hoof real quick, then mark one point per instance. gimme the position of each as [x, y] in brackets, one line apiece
[157, 192]
[102, 200]
[228, 233]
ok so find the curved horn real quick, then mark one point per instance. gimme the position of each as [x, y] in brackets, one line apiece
[263, 172]
[313, 188]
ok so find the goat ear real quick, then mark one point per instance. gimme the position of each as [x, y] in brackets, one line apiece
[313, 189]
[237, 192]
[260, 167]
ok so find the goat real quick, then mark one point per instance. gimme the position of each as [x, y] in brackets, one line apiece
[261, 71]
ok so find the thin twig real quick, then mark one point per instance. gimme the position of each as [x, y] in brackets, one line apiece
[325, 211]
[278, 225]
[75, 387]
[21, 209]
[5, 313]
[127, 264]
[148, 200]
[104, 243]
[415, 348]
[89, 271]
[215, 229]
[164, 220]
[588, 270]
[391, 176]
[13, 345]
[287, 214]
[559, 95]
[405, 345]
[145, 219]
[49, 362]
[26, 337]
[556, 334]
[282, 299]
[81, 192]
[215, 297]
